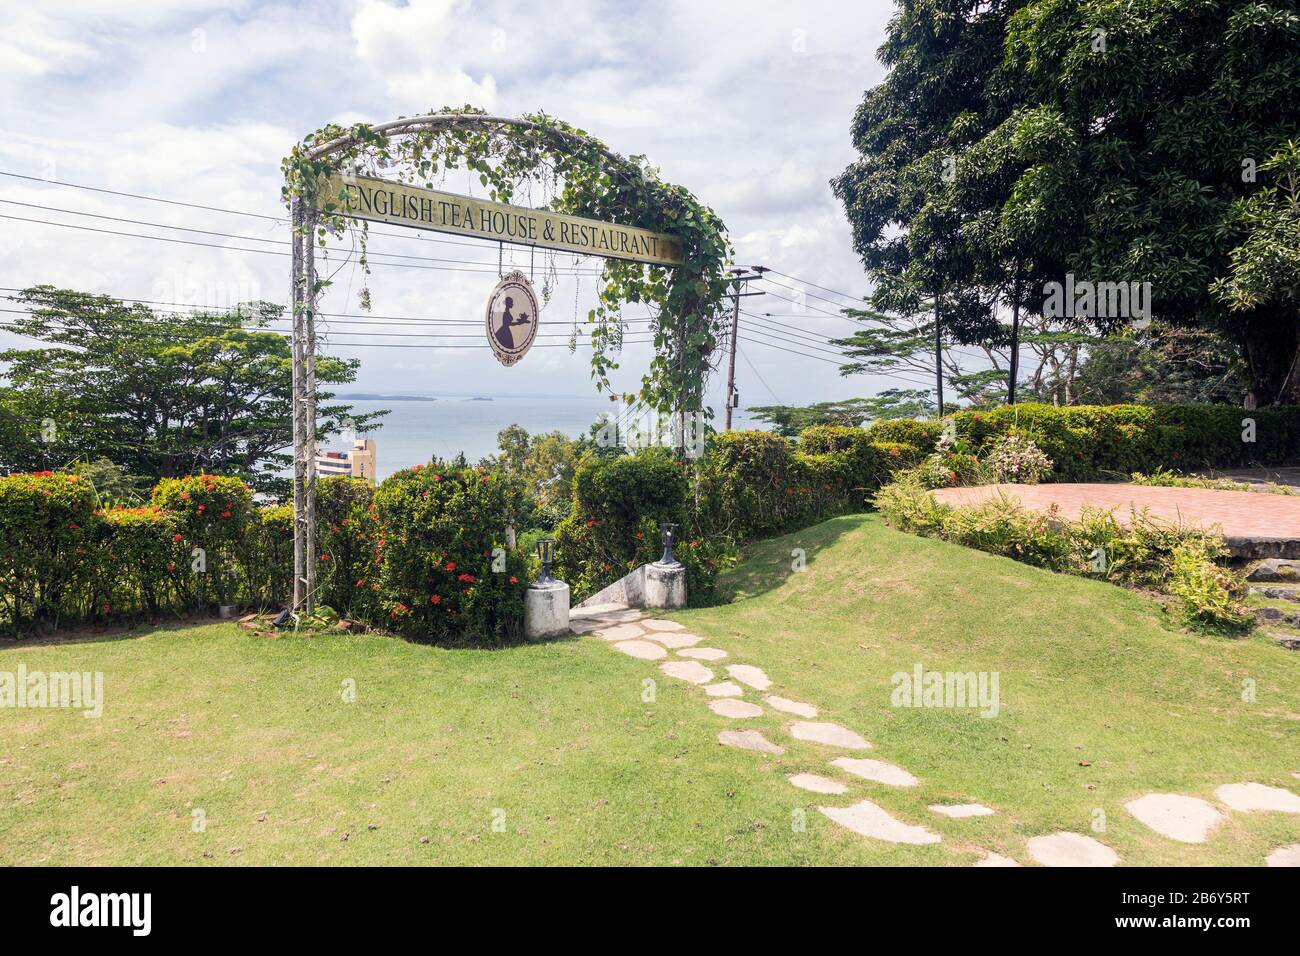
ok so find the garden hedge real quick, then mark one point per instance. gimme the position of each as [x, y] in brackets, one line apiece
[417, 554]
[1094, 442]
[619, 503]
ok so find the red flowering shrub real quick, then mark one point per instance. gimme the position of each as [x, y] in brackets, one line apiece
[440, 559]
[139, 561]
[214, 517]
[46, 542]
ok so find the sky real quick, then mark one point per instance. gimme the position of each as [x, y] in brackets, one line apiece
[747, 105]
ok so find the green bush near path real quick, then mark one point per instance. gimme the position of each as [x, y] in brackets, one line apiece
[1092, 442]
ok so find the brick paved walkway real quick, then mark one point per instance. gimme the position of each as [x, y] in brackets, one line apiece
[1255, 525]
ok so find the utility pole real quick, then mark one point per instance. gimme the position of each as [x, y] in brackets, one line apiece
[1015, 339]
[938, 354]
[740, 277]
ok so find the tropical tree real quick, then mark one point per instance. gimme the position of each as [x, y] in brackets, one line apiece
[162, 395]
[1019, 143]
[789, 421]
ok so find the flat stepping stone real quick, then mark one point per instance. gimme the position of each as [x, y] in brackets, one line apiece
[1070, 849]
[655, 624]
[619, 632]
[751, 675]
[817, 783]
[645, 650]
[877, 770]
[1284, 856]
[730, 707]
[832, 735]
[749, 740]
[703, 653]
[790, 706]
[869, 820]
[724, 689]
[960, 811]
[691, 671]
[994, 859]
[1255, 796]
[674, 640]
[1173, 815]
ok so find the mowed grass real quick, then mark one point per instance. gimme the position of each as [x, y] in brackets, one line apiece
[537, 754]
[1103, 698]
[552, 753]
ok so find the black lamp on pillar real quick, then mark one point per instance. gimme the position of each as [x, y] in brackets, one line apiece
[546, 553]
[668, 532]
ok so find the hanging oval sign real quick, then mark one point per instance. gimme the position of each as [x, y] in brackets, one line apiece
[512, 318]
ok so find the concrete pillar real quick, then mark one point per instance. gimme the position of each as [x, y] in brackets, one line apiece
[546, 610]
[665, 585]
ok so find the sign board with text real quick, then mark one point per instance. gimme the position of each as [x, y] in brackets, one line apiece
[402, 205]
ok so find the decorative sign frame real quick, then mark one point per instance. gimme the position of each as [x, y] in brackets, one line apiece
[512, 317]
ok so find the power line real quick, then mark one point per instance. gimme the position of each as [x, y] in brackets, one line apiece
[758, 330]
[753, 369]
[627, 340]
[845, 295]
[811, 295]
[812, 308]
[283, 220]
[349, 318]
[228, 235]
[268, 252]
[785, 330]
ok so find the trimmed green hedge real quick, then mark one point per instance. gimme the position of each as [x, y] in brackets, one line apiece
[619, 502]
[384, 556]
[1092, 442]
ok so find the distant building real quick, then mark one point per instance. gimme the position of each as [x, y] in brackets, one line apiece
[358, 461]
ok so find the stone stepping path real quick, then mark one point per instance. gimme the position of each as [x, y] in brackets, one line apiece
[870, 820]
[790, 706]
[1284, 856]
[691, 671]
[876, 770]
[749, 675]
[818, 784]
[960, 811]
[749, 740]
[1178, 817]
[1248, 797]
[832, 735]
[1070, 849]
[731, 707]
[703, 653]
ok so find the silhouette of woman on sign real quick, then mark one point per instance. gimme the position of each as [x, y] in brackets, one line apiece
[503, 334]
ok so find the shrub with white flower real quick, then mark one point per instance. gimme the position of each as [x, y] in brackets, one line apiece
[1017, 460]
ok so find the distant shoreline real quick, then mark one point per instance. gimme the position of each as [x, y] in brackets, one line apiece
[454, 396]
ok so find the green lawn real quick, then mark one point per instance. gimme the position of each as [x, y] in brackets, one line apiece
[555, 743]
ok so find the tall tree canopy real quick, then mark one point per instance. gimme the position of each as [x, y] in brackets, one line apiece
[1135, 141]
[162, 395]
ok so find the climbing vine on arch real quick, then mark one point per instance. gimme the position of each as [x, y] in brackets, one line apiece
[587, 179]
